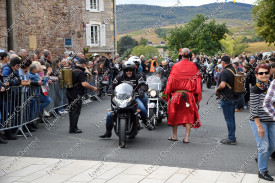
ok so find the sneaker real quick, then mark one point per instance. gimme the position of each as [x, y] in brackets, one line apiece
[46, 114]
[265, 176]
[228, 142]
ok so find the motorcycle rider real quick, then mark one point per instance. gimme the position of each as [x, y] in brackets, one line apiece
[128, 76]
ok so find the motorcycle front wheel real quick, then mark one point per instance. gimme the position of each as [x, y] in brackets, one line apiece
[208, 82]
[152, 117]
[122, 132]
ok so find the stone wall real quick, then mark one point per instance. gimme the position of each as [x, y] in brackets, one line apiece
[3, 25]
[47, 23]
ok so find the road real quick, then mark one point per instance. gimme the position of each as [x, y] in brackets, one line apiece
[149, 147]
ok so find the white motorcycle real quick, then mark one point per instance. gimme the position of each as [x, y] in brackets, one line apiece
[156, 105]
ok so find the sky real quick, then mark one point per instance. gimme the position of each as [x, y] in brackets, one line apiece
[174, 2]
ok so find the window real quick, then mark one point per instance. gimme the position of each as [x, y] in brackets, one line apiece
[95, 5]
[95, 34]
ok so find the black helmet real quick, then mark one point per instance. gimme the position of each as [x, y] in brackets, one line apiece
[159, 70]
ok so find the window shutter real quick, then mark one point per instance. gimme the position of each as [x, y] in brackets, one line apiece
[103, 35]
[88, 34]
[88, 4]
[101, 5]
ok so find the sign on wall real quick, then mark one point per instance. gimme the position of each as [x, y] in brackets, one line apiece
[68, 42]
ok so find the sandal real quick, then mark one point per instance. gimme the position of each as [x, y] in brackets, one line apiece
[170, 138]
[186, 142]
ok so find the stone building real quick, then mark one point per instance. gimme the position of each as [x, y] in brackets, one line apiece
[58, 25]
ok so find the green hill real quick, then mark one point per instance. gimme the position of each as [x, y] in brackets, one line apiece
[136, 17]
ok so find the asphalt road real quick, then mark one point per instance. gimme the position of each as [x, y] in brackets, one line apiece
[149, 147]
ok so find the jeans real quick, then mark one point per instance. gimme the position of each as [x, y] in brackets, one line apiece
[142, 103]
[44, 101]
[265, 145]
[228, 108]
[240, 102]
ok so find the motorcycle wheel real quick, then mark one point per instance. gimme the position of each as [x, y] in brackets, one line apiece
[151, 115]
[122, 133]
[159, 120]
[135, 130]
[208, 83]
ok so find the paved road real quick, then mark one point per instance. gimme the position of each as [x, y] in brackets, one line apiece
[204, 151]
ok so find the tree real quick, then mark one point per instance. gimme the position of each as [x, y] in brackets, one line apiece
[147, 51]
[234, 46]
[161, 32]
[126, 44]
[264, 16]
[198, 35]
[143, 41]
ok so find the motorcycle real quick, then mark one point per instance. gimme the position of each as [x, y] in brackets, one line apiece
[210, 76]
[203, 69]
[156, 105]
[125, 113]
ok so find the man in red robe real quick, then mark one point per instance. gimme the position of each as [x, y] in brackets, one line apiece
[184, 94]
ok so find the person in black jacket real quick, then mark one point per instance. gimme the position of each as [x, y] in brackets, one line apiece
[75, 94]
[130, 77]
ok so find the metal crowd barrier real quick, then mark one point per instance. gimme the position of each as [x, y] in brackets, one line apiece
[20, 105]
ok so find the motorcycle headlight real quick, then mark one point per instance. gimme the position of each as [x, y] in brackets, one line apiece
[122, 103]
[153, 93]
[210, 72]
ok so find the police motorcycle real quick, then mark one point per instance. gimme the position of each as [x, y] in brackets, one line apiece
[156, 105]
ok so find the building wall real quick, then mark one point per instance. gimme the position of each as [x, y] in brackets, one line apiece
[105, 17]
[3, 25]
[45, 24]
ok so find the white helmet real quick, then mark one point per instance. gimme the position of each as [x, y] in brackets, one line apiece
[135, 59]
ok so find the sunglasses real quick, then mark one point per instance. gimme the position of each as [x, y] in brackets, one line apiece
[262, 73]
[128, 70]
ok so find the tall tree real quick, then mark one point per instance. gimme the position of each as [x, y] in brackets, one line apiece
[234, 46]
[198, 35]
[143, 41]
[264, 17]
[147, 51]
[126, 44]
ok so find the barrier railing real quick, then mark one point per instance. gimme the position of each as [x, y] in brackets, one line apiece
[20, 105]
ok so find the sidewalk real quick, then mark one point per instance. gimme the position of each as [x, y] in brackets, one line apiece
[40, 170]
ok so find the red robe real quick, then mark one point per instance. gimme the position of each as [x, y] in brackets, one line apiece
[184, 76]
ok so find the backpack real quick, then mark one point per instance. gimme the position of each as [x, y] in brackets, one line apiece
[239, 82]
[66, 80]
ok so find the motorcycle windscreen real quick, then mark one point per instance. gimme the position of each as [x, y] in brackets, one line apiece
[123, 91]
[154, 83]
